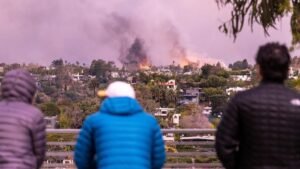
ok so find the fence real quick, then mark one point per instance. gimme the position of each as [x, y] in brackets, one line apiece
[196, 152]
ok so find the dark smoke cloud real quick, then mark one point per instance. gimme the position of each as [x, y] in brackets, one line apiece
[83, 30]
[136, 53]
[131, 47]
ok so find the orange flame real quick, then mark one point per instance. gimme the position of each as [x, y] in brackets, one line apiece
[145, 65]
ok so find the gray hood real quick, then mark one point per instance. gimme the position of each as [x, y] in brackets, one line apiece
[18, 85]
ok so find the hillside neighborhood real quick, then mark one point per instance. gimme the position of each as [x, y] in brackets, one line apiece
[179, 97]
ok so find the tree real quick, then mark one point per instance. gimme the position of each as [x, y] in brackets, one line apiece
[218, 104]
[93, 84]
[101, 69]
[240, 65]
[145, 97]
[170, 98]
[264, 12]
[206, 70]
[213, 91]
[50, 109]
[216, 81]
[57, 63]
[217, 70]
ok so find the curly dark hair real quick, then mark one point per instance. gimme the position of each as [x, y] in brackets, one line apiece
[274, 61]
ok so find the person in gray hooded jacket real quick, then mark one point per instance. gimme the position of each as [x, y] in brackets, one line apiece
[22, 126]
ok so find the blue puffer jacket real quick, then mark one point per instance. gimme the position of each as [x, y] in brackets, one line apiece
[120, 136]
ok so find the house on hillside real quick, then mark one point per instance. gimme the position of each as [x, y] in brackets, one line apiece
[77, 77]
[294, 73]
[163, 111]
[176, 119]
[243, 78]
[51, 122]
[171, 84]
[207, 110]
[191, 96]
[233, 90]
[164, 71]
[132, 79]
[115, 75]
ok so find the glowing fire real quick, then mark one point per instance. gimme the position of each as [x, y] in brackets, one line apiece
[189, 60]
[144, 66]
[197, 61]
[183, 62]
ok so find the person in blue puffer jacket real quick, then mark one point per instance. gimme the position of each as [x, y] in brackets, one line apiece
[121, 135]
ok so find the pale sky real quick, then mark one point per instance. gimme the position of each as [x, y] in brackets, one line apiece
[82, 30]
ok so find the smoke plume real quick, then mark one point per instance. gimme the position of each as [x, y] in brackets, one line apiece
[83, 30]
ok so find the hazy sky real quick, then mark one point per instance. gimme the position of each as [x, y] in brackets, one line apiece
[82, 30]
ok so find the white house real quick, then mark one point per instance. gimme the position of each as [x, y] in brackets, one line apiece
[232, 90]
[171, 84]
[176, 118]
[51, 121]
[241, 77]
[115, 74]
[164, 71]
[293, 73]
[77, 77]
[163, 112]
[207, 110]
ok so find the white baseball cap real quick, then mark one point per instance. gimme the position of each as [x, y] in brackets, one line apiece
[118, 89]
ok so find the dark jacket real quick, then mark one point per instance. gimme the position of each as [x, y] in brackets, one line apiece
[120, 136]
[22, 126]
[261, 129]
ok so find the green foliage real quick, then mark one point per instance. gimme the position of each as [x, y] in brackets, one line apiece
[206, 70]
[240, 65]
[218, 103]
[211, 91]
[239, 72]
[57, 63]
[293, 83]
[215, 81]
[101, 69]
[61, 137]
[264, 12]
[72, 95]
[93, 84]
[217, 70]
[223, 73]
[50, 109]
[215, 122]
[208, 159]
[74, 113]
[179, 160]
[144, 78]
[188, 109]
[48, 90]
[217, 98]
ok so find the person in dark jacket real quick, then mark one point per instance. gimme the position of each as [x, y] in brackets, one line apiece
[121, 135]
[22, 126]
[260, 128]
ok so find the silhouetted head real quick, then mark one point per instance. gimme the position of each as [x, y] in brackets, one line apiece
[274, 61]
[18, 85]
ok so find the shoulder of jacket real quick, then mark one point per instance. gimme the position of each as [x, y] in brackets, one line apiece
[90, 119]
[35, 113]
[246, 94]
[152, 120]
